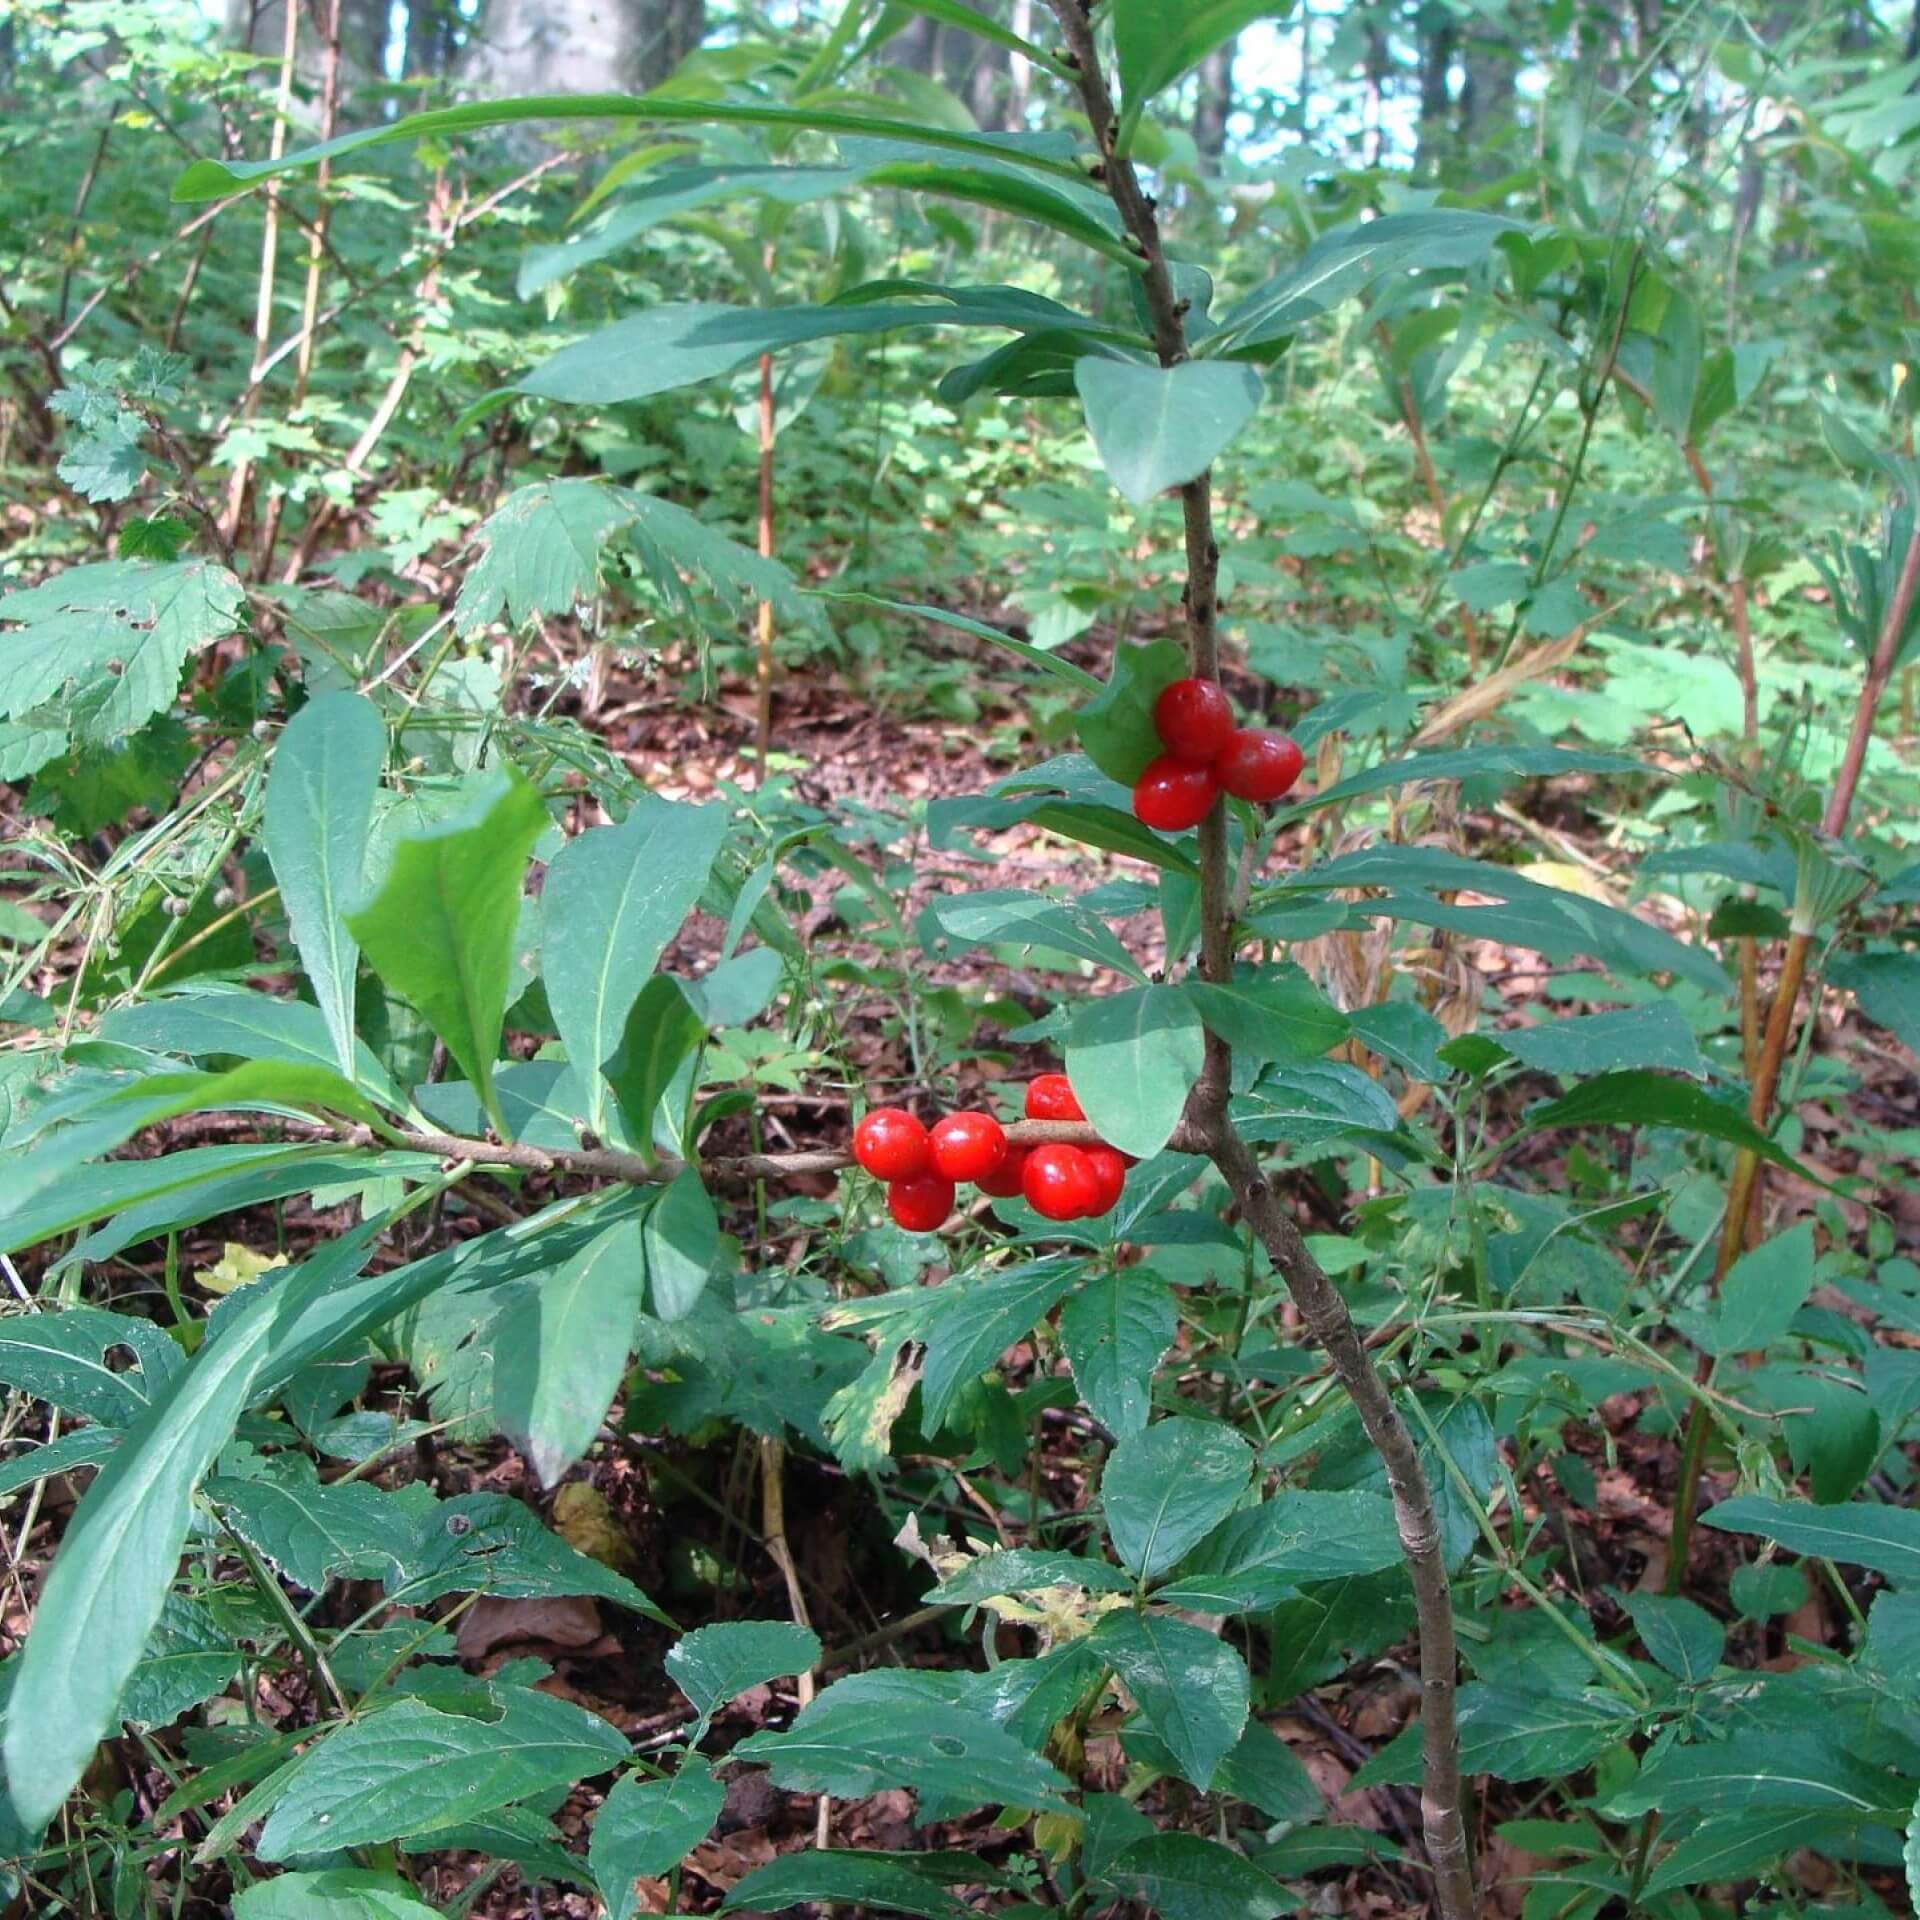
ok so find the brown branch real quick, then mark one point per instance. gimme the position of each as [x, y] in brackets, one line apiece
[1321, 1306]
[1743, 1188]
[635, 1170]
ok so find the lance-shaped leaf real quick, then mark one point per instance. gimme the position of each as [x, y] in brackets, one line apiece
[613, 898]
[440, 929]
[561, 1349]
[319, 813]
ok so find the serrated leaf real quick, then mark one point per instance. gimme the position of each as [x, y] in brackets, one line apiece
[440, 930]
[880, 1881]
[338, 1893]
[410, 1769]
[850, 1744]
[1683, 1638]
[1133, 1058]
[1302, 1535]
[612, 899]
[309, 1532]
[1168, 1487]
[63, 1358]
[1190, 1685]
[106, 642]
[647, 1827]
[1860, 1534]
[974, 1319]
[1014, 1570]
[562, 1348]
[713, 1665]
[1159, 427]
[1182, 1877]
[540, 551]
[1114, 1332]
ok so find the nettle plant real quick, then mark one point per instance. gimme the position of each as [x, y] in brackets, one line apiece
[1267, 1510]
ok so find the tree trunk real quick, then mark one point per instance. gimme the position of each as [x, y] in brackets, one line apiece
[671, 31]
[1437, 34]
[1490, 64]
[1213, 104]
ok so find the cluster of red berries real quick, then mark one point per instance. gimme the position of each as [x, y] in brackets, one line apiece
[921, 1166]
[1207, 754]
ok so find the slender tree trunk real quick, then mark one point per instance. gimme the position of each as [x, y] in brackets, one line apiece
[1213, 105]
[1437, 37]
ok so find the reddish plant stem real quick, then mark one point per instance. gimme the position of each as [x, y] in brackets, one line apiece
[1743, 1188]
[1321, 1306]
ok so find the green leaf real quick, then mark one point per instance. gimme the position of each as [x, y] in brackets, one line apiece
[410, 1769]
[440, 929]
[340, 1893]
[116, 1562]
[1182, 1877]
[1472, 763]
[561, 1351]
[1083, 217]
[310, 1532]
[249, 1026]
[1026, 921]
[1191, 1686]
[190, 1657]
[679, 190]
[1348, 260]
[880, 1881]
[974, 1319]
[1013, 1570]
[612, 899]
[1133, 1058]
[1116, 728]
[1653, 1036]
[1734, 1847]
[1159, 427]
[663, 1027]
[1270, 1013]
[64, 1358]
[214, 179]
[489, 1543]
[1636, 1099]
[1683, 1638]
[1048, 663]
[1883, 1539]
[681, 1241]
[1784, 1768]
[540, 551]
[1762, 1292]
[1167, 1488]
[716, 1664]
[673, 345]
[672, 543]
[647, 1827]
[319, 815]
[1888, 988]
[106, 642]
[1258, 1556]
[850, 1743]
[1156, 41]
[1114, 1332]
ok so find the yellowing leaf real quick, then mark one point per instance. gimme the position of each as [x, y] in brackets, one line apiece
[238, 1266]
[584, 1520]
[1569, 879]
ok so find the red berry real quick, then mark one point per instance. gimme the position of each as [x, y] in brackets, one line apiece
[967, 1146]
[1193, 719]
[891, 1144]
[1110, 1174]
[1258, 764]
[921, 1204]
[1173, 795]
[1059, 1182]
[1051, 1097]
[1004, 1182]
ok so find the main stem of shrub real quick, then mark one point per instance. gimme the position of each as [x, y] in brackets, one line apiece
[1322, 1309]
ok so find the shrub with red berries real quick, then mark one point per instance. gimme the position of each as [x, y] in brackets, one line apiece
[1207, 755]
[922, 1167]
